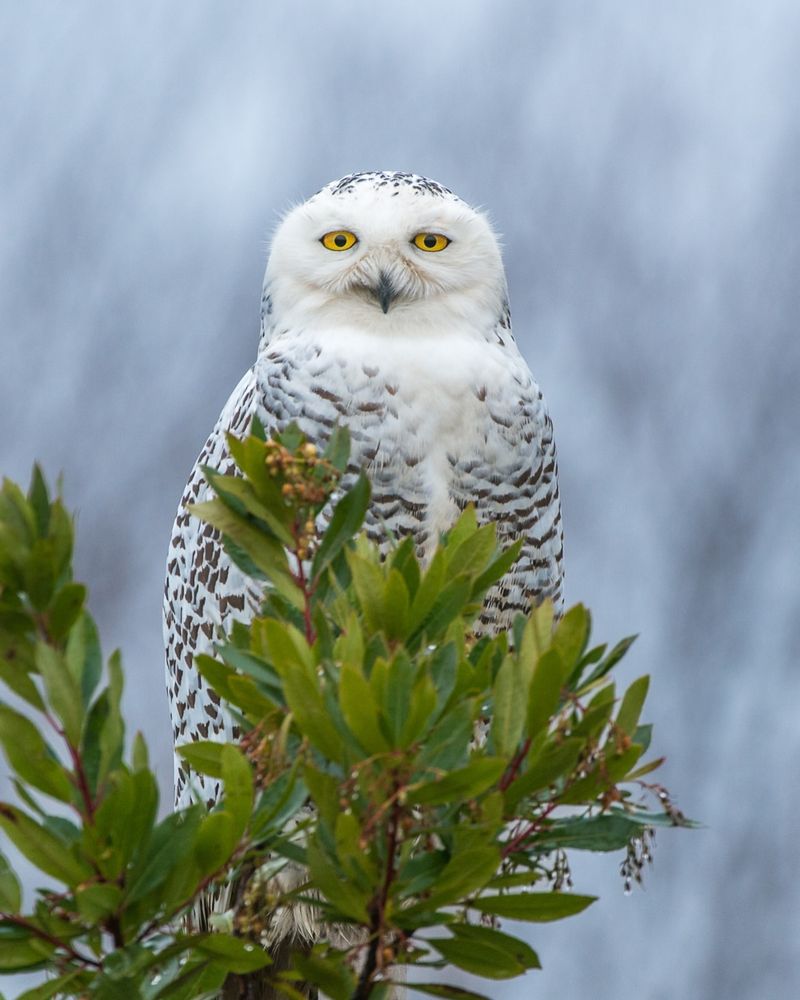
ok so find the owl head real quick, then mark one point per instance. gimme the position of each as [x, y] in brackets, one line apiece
[388, 253]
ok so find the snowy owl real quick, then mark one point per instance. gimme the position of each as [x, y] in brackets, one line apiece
[385, 309]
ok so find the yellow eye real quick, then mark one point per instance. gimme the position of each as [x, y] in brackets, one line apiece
[432, 242]
[339, 239]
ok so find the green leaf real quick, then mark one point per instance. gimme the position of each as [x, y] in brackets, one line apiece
[497, 569]
[450, 601]
[239, 495]
[615, 768]
[199, 977]
[632, 704]
[324, 790]
[609, 832]
[217, 674]
[60, 531]
[171, 841]
[467, 871]
[255, 667]
[369, 585]
[611, 660]
[42, 848]
[396, 606]
[337, 450]
[257, 429]
[429, 589]
[238, 779]
[236, 954]
[96, 902]
[39, 500]
[124, 822]
[537, 635]
[19, 950]
[643, 735]
[533, 906]
[486, 952]
[447, 744]
[63, 692]
[360, 710]
[55, 987]
[14, 675]
[31, 757]
[250, 455]
[121, 963]
[112, 733]
[598, 712]
[545, 767]
[509, 701]
[10, 892]
[463, 528]
[17, 512]
[139, 756]
[90, 741]
[216, 841]
[466, 783]
[278, 803]
[287, 647]
[570, 637]
[83, 655]
[472, 555]
[545, 691]
[394, 685]
[346, 520]
[266, 557]
[422, 708]
[65, 609]
[444, 672]
[40, 573]
[332, 976]
[291, 657]
[404, 560]
[420, 872]
[203, 756]
[342, 895]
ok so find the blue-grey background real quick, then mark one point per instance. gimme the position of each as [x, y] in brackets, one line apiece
[643, 163]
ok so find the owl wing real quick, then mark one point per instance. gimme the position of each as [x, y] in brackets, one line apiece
[521, 496]
[203, 591]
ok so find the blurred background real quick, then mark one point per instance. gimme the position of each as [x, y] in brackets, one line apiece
[643, 163]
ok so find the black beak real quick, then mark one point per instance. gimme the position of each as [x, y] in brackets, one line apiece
[385, 291]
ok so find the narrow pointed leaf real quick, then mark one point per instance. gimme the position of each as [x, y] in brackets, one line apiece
[537, 907]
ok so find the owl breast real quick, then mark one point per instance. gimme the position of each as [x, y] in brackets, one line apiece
[437, 422]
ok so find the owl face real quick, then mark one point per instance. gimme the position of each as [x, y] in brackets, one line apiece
[382, 250]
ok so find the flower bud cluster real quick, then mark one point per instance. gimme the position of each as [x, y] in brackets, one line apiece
[307, 481]
[639, 853]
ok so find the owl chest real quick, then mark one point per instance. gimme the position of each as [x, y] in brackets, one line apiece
[423, 419]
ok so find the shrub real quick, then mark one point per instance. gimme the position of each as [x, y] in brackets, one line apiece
[450, 774]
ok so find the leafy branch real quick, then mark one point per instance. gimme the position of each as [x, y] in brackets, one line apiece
[450, 774]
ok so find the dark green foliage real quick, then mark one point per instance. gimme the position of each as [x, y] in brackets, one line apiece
[88, 817]
[449, 773]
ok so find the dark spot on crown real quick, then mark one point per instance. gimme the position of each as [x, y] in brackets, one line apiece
[383, 178]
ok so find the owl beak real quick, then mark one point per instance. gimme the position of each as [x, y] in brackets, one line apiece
[385, 291]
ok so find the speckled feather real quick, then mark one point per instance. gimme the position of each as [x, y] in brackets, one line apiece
[441, 408]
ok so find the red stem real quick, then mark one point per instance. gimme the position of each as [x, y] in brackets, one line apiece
[51, 939]
[514, 766]
[81, 781]
[307, 589]
[378, 908]
[533, 827]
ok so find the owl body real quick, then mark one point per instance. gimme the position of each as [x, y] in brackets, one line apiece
[414, 354]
